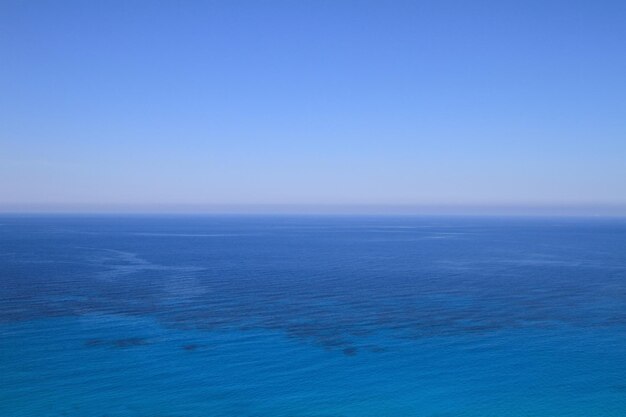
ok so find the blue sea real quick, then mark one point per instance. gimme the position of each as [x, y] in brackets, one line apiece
[312, 316]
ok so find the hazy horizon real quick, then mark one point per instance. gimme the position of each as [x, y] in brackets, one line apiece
[330, 209]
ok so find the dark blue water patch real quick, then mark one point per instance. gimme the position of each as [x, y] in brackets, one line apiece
[117, 343]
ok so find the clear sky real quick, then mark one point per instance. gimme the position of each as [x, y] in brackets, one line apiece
[159, 105]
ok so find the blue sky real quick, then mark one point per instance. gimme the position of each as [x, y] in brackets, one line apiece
[131, 105]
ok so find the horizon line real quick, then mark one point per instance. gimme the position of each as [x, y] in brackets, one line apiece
[564, 210]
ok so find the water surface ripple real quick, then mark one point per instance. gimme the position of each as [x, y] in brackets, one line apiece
[312, 316]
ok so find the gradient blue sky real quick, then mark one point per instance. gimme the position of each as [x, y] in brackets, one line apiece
[156, 105]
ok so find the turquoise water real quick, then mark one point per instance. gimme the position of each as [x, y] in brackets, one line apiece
[312, 316]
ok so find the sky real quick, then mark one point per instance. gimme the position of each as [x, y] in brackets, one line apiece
[219, 105]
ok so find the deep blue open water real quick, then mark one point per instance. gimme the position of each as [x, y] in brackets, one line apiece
[312, 316]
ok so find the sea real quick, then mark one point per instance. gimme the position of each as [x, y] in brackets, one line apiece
[312, 316]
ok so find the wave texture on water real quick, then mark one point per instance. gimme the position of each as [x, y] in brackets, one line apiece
[312, 316]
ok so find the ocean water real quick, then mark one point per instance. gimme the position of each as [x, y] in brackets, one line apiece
[312, 316]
